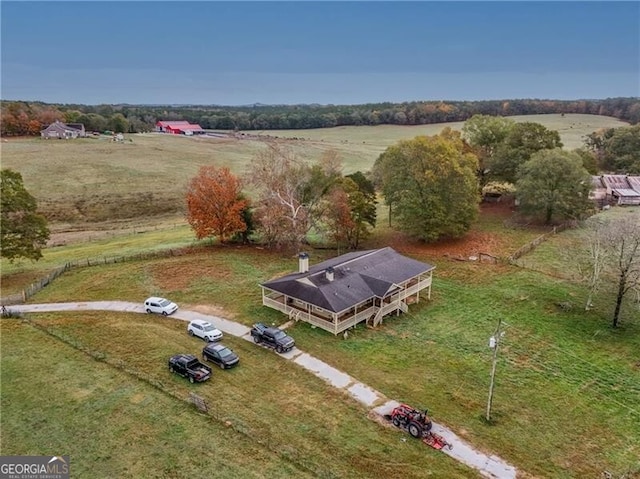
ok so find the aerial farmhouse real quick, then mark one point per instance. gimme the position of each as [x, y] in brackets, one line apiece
[63, 131]
[341, 292]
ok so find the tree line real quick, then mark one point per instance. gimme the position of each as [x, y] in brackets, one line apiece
[28, 118]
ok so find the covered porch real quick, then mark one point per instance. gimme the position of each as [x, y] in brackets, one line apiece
[371, 310]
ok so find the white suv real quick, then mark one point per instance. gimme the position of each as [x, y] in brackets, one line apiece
[204, 330]
[160, 306]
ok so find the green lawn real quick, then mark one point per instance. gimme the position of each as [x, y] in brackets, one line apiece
[565, 379]
[556, 255]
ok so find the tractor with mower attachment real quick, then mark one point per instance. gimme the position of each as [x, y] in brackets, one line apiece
[418, 424]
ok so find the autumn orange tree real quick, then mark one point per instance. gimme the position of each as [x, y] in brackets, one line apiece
[215, 205]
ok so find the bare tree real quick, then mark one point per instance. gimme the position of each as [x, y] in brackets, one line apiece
[613, 258]
[595, 257]
[290, 193]
[279, 178]
[625, 252]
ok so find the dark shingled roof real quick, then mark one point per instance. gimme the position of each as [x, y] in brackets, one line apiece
[357, 277]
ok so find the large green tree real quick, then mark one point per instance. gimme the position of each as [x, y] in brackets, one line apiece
[431, 184]
[23, 232]
[617, 149]
[485, 133]
[522, 141]
[118, 123]
[554, 185]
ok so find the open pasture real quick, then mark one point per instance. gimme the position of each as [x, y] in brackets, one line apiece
[96, 179]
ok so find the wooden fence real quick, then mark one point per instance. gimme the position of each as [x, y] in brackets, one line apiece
[533, 244]
[37, 286]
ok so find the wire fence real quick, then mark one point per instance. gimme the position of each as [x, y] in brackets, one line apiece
[43, 282]
[37, 286]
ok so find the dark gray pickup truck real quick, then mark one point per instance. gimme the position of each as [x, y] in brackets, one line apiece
[272, 337]
[190, 367]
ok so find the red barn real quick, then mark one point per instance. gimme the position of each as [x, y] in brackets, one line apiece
[179, 128]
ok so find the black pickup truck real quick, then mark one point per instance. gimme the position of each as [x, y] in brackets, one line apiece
[188, 366]
[272, 337]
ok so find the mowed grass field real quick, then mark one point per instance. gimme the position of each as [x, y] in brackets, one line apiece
[96, 179]
[567, 391]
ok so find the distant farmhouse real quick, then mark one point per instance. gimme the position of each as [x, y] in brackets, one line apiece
[63, 131]
[179, 128]
[341, 292]
[618, 190]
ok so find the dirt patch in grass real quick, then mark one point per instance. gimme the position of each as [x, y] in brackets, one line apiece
[211, 310]
[474, 243]
[179, 276]
[16, 282]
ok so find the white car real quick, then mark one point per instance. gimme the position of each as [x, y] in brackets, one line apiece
[160, 306]
[204, 330]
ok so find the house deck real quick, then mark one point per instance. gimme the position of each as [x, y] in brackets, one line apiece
[371, 311]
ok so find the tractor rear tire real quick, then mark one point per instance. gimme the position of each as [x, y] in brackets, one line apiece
[395, 421]
[415, 430]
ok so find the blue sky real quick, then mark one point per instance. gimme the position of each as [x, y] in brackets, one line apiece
[233, 53]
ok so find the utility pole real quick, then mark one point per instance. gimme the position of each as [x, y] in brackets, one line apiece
[494, 343]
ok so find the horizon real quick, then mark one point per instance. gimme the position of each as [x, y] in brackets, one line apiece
[258, 105]
[233, 54]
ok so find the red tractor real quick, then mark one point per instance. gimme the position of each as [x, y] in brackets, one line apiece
[418, 424]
